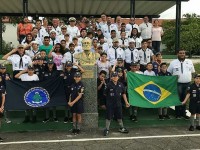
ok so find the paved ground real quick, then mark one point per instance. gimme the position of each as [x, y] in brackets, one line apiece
[140, 138]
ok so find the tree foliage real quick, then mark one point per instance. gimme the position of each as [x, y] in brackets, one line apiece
[189, 34]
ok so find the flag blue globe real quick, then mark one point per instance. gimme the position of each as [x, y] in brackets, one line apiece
[152, 92]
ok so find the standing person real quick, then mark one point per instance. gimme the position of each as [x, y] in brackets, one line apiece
[29, 76]
[76, 102]
[183, 68]
[157, 33]
[149, 71]
[114, 92]
[69, 73]
[146, 28]
[131, 25]
[193, 92]
[23, 28]
[146, 56]
[136, 36]
[72, 29]
[34, 49]
[19, 60]
[103, 21]
[27, 42]
[156, 63]
[131, 54]
[162, 112]
[46, 45]
[2, 102]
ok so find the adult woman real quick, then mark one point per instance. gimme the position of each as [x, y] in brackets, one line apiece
[138, 39]
[19, 60]
[157, 33]
[57, 54]
[27, 43]
[23, 28]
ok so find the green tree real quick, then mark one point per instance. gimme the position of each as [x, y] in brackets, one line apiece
[189, 36]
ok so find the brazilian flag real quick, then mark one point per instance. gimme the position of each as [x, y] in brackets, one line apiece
[152, 91]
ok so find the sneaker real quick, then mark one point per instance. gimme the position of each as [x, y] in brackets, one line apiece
[70, 120]
[160, 117]
[74, 131]
[45, 120]
[123, 130]
[27, 119]
[166, 117]
[78, 131]
[7, 121]
[134, 119]
[66, 120]
[198, 127]
[55, 119]
[191, 128]
[186, 117]
[1, 140]
[105, 132]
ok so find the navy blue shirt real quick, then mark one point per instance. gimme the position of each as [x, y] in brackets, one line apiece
[69, 77]
[77, 88]
[164, 74]
[194, 91]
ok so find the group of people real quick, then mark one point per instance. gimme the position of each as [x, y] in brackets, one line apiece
[48, 50]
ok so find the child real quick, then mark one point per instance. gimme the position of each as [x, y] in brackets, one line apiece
[68, 74]
[2, 102]
[133, 110]
[76, 102]
[156, 63]
[114, 91]
[162, 112]
[5, 76]
[194, 105]
[149, 71]
[101, 83]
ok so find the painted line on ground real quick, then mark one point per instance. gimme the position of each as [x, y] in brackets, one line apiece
[100, 139]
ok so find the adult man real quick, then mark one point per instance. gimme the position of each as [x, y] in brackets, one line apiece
[146, 29]
[53, 37]
[41, 30]
[115, 52]
[183, 68]
[56, 26]
[146, 56]
[131, 25]
[46, 46]
[108, 27]
[131, 54]
[64, 32]
[110, 40]
[83, 36]
[103, 20]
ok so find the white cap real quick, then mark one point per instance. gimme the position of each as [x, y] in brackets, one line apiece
[53, 31]
[131, 40]
[34, 42]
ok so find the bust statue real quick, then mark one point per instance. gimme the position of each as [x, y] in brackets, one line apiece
[87, 57]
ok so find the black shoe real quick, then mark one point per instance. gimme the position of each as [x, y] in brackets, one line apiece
[45, 120]
[160, 117]
[66, 120]
[1, 140]
[186, 117]
[70, 120]
[74, 131]
[191, 128]
[198, 127]
[27, 119]
[134, 119]
[123, 130]
[166, 117]
[105, 132]
[55, 119]
[34, 120]
[178, 117]
[78, 131]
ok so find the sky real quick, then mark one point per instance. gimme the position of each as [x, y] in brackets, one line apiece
[193, 6]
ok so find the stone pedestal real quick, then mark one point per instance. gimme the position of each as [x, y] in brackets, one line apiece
[90, 115]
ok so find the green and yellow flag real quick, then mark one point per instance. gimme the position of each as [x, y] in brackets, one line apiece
[152, 91]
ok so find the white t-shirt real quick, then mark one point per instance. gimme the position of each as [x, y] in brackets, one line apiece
[156, 34]
[149, 73]
[26, 77]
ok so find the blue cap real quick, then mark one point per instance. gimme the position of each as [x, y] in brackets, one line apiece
[114, 74]
[77, 74]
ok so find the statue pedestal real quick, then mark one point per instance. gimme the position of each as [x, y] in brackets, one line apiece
[89, 79]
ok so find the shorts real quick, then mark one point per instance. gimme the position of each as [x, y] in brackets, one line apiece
[113, 111]
[77, 108]
[194, 107]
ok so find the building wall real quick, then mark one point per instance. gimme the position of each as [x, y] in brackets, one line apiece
[10, 35]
